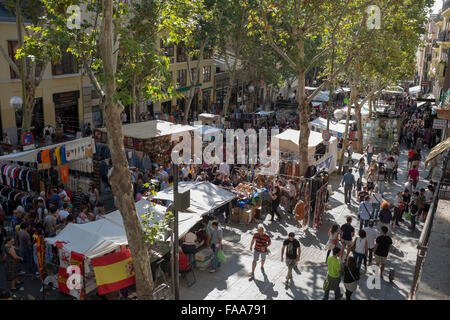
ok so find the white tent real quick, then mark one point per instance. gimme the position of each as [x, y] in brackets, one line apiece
[96, 238]
[31, 155]
[320, 124]
[264, 113]
[207, 130]
[288, 141]
[152, 129]
[415, 90]
[205, 196]
[322, 96]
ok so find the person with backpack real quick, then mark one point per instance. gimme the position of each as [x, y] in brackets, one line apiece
[360, 248]
[375, 200]
[351, 277]
[346, 234]
[413, 212]
[371, 234]
[385, 215]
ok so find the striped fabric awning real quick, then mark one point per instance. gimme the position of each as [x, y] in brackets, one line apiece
[437, 150]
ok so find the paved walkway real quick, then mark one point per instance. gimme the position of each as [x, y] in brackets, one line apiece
[231, 282]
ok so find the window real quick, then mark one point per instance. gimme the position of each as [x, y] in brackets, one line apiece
[67, 65]
[181, 77]
[167, 48]
[195, 75]
[181, 54]
[207, 54]
[206, 73]
[12, 49]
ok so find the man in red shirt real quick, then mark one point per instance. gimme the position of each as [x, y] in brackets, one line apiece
[410, 157]
[414, 175]
[261, 241]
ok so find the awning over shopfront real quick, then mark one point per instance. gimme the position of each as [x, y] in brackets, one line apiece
[437, 150]
[97, 238]
[152, 129]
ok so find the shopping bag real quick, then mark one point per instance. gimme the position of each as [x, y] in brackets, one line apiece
[326, 284]
[221, 256]
[408, 216]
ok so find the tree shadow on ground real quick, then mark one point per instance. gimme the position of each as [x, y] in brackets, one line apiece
[266, 287]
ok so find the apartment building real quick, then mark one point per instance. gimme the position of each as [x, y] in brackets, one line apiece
[180, 74]
[65, 98]
[441, 45]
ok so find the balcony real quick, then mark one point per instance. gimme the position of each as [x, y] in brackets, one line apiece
[446, 9]
[444, 38]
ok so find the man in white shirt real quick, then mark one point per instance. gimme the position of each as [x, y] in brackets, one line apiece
[371, 234]
[224, 168]
[185, 171]
[162, 174]
[409, 186]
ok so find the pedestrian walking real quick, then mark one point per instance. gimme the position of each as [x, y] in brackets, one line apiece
[398, 208]
[262, 241]
[364, 211]
[12, 264]
[361, 167]
[25, 246]
[275, 194]
[371, 234]
[351, 277]
[413, 174]
[350, 152]
[381, 250]
[385, 215]
[347, 233]
[413, 213]
[333, 239]
[381, 178]
[406, 201]
[375, 200]
[360, 248]
[348, 182]
[215, 243]
[369, 150]
[293, 252]
[333, 275]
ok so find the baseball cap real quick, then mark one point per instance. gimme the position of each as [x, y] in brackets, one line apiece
[20, 208]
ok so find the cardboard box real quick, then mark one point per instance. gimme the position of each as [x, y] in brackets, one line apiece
[245, 216]
[235, 217]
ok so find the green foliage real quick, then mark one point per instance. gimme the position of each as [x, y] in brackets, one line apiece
[153, 228]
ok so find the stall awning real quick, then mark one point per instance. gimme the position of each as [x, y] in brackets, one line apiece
[97, 238]
[205, 196]
[152, 129]
[288, 139]
[264, 113]
[31, 155]
[207, 130]
[322, 123]
[437, 150]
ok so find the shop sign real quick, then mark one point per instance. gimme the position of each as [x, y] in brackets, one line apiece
[326, 136]
[440, 124]
[28, 139]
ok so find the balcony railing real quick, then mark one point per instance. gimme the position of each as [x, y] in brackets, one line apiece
[446, 5]
[444, 36]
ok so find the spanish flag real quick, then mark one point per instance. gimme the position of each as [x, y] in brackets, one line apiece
[113, 271]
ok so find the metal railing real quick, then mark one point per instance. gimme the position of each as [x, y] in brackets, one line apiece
[446, 5]
[422, 246]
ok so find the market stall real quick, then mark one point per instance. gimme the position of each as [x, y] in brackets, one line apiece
[320, 155]
[90, 241]
[27, 173]
[320, 124]
[210, 119]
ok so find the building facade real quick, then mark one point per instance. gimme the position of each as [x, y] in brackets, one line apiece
[64, 97]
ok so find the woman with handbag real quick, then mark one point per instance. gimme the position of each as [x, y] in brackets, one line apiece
[333, 239]
[360, 248]
[351, 277]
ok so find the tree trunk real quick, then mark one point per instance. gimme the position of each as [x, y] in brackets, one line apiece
[226, 102]
[120, 179]
[30, 97]
[353, 98]
[303, 111]
[193, 89]
[360, 129]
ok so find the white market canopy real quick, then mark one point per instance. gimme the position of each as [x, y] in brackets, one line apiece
[31, 155]
[288, 140]
[322, 123]
[205, 196]
[264, 113]
[322, 96]
[208, 115]
[152, 129]
[97, 238]
[415, 90]
[207, 130]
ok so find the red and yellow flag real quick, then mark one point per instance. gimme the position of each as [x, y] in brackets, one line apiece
[113, 271]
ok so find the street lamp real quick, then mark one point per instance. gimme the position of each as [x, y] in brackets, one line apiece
[17, 104]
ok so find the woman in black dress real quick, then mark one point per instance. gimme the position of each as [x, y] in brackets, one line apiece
[12, 264]
[275, 194]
